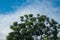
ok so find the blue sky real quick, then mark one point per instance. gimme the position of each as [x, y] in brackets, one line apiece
[7, 5]
[11, 10]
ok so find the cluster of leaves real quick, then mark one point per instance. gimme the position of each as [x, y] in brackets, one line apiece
[31, 26]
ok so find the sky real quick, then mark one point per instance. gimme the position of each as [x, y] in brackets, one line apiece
[11, 10]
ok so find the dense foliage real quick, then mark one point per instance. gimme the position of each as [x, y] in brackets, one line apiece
[30, 25]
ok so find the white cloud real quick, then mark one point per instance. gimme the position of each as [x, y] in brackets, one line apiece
[43, 8]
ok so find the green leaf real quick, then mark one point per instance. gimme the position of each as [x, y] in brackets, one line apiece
[15, 23]
[30, 15]
[38, 15]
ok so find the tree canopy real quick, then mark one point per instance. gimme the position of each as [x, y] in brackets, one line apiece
[31, 25]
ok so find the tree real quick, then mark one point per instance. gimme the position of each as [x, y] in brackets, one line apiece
[31, 26]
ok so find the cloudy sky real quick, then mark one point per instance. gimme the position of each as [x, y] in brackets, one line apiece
[11, 10]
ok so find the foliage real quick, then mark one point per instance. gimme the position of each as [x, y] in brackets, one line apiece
[31, 26]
